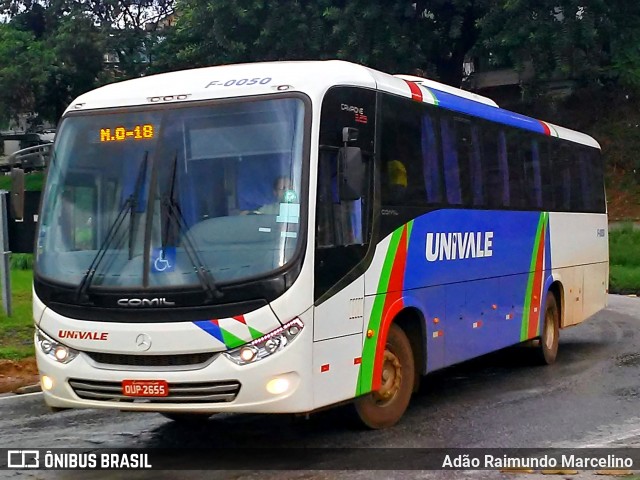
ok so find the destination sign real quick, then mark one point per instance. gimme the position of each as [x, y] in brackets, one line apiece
[120, 134]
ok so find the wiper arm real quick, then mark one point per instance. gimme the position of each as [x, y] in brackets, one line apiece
[202, 272]
[130, 204]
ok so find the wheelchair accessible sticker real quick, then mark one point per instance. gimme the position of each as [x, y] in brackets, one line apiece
[163, 260]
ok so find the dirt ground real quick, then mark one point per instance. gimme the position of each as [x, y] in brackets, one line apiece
[623, 197]
[19, 373]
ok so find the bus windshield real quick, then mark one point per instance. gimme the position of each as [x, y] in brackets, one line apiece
[173, 197]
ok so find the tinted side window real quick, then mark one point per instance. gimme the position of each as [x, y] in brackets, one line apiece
[591, 180]
[597, 178]
[547, 175]
[517, 186]
[451, 159]
[492, 172]
[432, 167]
[402, 152]
[476, 165]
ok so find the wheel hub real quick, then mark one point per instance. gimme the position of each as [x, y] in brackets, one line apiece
[391, 378]
[548, 332]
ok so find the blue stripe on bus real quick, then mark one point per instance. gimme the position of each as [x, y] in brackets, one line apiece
[486, 286]
[481, 110]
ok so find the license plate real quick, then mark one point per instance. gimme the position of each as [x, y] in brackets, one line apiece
[145, 388]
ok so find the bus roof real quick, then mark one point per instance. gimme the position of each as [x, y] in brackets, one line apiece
[313, 78]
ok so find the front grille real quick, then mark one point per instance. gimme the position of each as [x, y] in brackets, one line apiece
[210, 392]
[126, 360]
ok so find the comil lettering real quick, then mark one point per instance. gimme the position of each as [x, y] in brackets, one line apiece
[458, 245]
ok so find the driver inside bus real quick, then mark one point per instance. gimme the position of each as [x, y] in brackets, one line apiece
[282, 189]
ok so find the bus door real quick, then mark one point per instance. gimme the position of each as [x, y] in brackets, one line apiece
[343, 210]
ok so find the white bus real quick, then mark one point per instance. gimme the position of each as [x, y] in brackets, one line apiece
[281, 237]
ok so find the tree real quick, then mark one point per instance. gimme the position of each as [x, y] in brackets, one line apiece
[77, 49]
[236, 31]
[22, 72]
[396, 36]
[127, 27]
[591, 42]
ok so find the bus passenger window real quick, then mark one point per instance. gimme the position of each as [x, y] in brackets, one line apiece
[492, 172]
[430, 161]
[396, 176]
[402, 151]
[451, 165]
[503, 161]
[537, 177]
[547, 175]
[518, 191]
[475, 167]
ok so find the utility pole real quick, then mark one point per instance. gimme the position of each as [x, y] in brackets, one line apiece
[5, 272]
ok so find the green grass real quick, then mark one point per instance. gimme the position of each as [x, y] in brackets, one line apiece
[16, 332]
[624, 259]
[32, 182]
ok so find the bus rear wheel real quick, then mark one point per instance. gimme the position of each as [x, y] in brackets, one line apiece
[548, 348]
[385, 407]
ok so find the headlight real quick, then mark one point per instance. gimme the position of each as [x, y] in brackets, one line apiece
[54, 349]
[266, 345]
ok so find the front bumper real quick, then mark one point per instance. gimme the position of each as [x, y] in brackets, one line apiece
[292, 363]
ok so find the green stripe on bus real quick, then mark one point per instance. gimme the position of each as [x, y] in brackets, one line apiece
[532, 272]
[255, 333]
[365, 375]
[431, 94]
[230, 340]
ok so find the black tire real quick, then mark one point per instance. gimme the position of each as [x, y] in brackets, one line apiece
[547, 350]
[384, 408]
[186, 418]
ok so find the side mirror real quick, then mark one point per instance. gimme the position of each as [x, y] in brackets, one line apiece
[17, 193]
[351, 169]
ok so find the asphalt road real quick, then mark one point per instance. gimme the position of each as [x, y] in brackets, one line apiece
[589, 398]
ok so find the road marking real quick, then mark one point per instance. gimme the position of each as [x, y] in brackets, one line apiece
[10, 397]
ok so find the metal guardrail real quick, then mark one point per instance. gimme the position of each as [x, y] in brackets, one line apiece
[30, 158]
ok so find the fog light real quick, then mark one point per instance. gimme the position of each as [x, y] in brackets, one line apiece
[47, 382]
[248, 353]
[277, 386]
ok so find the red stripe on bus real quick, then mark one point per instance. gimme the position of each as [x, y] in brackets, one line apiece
[536, 303]
[416, 93]
[392, 305]
[545, 127]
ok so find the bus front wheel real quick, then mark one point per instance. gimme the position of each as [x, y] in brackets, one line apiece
[385, 407]
[548, 348]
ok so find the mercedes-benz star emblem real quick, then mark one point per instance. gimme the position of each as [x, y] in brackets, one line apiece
[143, 342]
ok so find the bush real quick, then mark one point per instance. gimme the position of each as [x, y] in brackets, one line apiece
[21, 261]
[624, 259]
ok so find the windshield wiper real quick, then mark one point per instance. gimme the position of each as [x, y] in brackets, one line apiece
[130, 204]
[202, 272]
